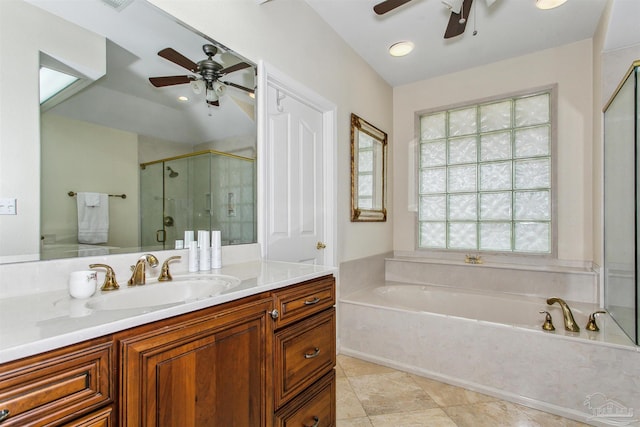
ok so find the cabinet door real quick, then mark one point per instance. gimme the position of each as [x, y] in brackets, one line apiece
[208, 372]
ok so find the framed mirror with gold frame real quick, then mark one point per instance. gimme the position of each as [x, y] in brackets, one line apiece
[368, 171]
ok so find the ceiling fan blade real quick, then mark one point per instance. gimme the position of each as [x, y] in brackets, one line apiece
[455, 28]
[215, 103]
[170, 80]
[246, 89]
[388, 6]
[178, 58]
[236, 67]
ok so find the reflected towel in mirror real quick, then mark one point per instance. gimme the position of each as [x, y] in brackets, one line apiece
[93, 217]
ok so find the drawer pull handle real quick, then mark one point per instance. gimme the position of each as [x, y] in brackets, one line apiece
[316, 352]
[316, 422]
[315, 300]
[4, 414]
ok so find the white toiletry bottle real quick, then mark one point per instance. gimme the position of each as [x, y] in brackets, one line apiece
[216, 249]
[205, 257]
[193, 257]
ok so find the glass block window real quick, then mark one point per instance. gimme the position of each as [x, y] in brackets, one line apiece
[485, 176]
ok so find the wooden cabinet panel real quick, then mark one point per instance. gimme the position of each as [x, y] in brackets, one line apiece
[205, 372]
[303, 300]
[101, 418]
[315, 407]
[57, 386]
[303, 353]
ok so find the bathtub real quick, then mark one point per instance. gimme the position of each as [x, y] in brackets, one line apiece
[493, 343]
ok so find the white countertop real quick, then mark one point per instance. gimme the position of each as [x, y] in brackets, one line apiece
[36, 323]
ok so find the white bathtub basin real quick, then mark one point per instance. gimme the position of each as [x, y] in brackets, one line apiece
[182, 289]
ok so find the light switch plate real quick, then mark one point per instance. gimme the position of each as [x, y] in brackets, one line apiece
[8, 206]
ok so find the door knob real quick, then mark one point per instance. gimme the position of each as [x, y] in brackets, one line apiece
[320, 245]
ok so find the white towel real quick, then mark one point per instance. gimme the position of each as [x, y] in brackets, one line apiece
[92, 199]
[93, 217]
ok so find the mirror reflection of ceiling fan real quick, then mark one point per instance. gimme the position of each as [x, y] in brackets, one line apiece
[207, 74]
[459, 13]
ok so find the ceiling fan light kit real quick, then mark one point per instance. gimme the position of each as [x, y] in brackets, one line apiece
[453, 5]
[208, 73]
[401, 48]
[549, 4]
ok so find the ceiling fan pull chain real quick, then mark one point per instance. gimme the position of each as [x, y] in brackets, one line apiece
[462, 20]
[475, 16]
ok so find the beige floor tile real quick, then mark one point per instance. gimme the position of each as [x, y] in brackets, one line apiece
[370, 395]
[448, 395]
[339, 371]
[501, 413]
[347, 403]
[353, 367]
[429, 418]
[390, 393]
[354, 422]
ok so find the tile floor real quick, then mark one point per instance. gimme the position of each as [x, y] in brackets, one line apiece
[370, 395]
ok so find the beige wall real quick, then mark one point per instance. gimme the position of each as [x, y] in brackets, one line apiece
[570, 67]
[291, 36]
[105, 159]
[151, 149]
[24, 32]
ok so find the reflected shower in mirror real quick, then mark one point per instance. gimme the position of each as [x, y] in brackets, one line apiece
[368, 171]
[164, 91]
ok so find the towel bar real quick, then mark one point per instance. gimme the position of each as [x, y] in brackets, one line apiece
[122, 196]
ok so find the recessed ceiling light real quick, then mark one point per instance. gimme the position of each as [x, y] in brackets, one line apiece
[548, 4]
[401, 48]
[183, 98]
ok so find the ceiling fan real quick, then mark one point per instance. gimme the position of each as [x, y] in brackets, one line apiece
[208, 74]
[457, 21]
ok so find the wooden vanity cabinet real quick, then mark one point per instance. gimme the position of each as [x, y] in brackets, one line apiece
[212, 370]
[264, 360]
[305, 355]
[55, 387]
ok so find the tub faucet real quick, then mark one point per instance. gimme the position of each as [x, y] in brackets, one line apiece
[138, 275]
[569, 323]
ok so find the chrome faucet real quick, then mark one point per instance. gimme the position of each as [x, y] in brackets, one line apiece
[569, 323]
[138, 276]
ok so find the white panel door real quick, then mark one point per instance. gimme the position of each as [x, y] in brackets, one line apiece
[294, 200]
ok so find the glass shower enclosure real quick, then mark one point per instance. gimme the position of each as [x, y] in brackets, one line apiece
[205, 190]
[622, 204]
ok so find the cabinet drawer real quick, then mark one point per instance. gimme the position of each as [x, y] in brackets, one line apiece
[101, 418]
[57, 386]
[304, 300]
[304, 352]
[315, 407]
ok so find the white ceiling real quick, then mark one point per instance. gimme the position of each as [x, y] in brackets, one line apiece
[125, 99]
[507, 29]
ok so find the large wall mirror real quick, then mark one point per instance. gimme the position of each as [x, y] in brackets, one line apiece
[180, 146]
[368, 171]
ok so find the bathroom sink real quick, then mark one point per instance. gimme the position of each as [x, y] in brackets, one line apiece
[178, 291]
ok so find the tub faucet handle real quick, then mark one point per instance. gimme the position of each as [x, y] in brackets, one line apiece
[548, 322]
[591, 324]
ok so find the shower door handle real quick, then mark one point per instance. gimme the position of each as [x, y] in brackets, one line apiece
[160, 233]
